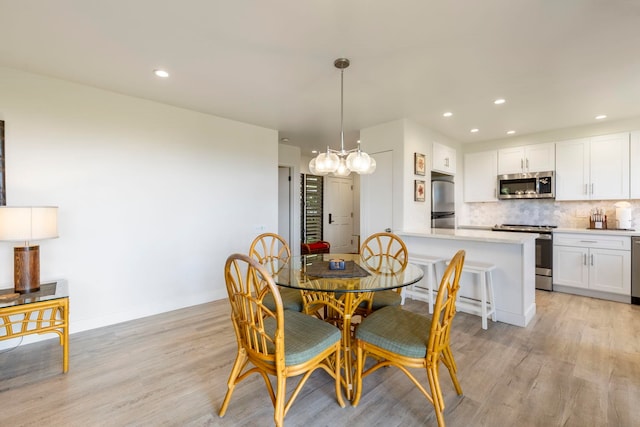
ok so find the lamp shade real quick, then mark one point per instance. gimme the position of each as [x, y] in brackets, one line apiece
[24, 224]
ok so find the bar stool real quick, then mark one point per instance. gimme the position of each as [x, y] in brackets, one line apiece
[418, 292]
[486, 306]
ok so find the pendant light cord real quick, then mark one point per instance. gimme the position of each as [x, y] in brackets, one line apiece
[342, 110]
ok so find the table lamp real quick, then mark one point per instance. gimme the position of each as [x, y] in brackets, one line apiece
[26, 224]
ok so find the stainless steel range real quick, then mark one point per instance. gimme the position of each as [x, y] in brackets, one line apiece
[544, 250]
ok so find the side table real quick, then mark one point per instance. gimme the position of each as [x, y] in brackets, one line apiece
[42, 312]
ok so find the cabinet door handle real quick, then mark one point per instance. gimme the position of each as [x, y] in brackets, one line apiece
[527, 161]
[591, 259]
[592, 188]
[588, 241]
[584, 259]
[586, 189]
[521, 163]
[446, 161]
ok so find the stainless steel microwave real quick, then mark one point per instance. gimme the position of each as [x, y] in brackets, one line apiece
[537, 185]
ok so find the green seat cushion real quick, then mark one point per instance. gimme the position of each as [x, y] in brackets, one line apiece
[385, 298]
[304, 336]
[397, 330]
[291, 300]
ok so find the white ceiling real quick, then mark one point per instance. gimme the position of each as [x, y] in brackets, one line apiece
[558, 63]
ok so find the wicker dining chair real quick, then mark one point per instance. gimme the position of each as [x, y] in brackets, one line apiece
[384, 253]
[273, 252]
[280, 343]
[397, 337]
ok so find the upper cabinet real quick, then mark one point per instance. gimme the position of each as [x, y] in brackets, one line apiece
[529, 158]
[634, 155]
[594, 168]
[444, 159]
[480, 176]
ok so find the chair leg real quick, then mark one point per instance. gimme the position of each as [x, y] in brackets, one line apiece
[436, 394]
[338, 367]
[238, 365]
[358, 378]
[450, 363]
[278, 415]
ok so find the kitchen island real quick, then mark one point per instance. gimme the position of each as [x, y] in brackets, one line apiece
[512, 253]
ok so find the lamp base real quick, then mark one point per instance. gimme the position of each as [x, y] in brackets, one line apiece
[26, 269]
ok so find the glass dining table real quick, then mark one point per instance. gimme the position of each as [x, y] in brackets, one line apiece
[338, 295]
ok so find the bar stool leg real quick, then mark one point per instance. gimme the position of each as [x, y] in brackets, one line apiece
[483, 302]
[491, 296]
[431, 276]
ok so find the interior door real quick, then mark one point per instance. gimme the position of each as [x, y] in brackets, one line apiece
[376, 201]
[338, 218]
[284, 195]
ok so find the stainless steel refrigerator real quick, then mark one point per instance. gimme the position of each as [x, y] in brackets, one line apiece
[442, 204]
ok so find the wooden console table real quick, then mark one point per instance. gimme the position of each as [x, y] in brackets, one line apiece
[42, 312]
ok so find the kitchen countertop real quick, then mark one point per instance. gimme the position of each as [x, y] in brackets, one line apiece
[479, 235]
[608, 231]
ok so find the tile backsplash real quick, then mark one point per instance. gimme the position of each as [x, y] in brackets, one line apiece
[547, 212]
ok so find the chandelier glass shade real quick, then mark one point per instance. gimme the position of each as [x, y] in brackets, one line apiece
[342, 162]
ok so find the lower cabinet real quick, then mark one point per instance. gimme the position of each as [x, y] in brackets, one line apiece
[594, 263]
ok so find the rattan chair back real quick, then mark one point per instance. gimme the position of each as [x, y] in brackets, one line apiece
[271, 251]
[384, 253]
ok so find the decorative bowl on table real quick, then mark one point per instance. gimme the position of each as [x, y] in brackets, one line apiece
[336, 264]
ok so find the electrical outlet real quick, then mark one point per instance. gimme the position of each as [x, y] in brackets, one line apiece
[259, 228]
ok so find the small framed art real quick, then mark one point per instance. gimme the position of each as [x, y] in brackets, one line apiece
[418, 190]
[419, 164]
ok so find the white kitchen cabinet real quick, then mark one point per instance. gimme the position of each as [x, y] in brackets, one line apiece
[595, 168]
[599, 263]
[528, 158]
[634, 172]
[444, 159]
[480, 176]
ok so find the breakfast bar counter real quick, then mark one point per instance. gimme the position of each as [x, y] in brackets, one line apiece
[512, 253]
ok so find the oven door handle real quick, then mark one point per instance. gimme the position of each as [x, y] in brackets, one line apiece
[545, 237]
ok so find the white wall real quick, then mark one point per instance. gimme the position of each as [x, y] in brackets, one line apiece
[152, 198]
[405, 137]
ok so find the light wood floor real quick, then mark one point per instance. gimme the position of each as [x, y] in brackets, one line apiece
[576, 364]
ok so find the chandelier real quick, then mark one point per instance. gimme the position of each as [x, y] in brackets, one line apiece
[342, 162]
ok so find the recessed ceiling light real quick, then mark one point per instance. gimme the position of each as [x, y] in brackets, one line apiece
[474, 130]
[448, 114]
[499, 101]
[284, 140]
[601, 116]
[161, 73]
[511, 132]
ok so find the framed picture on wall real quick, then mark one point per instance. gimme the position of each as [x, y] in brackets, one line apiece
[419, 164]
[418, 190]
